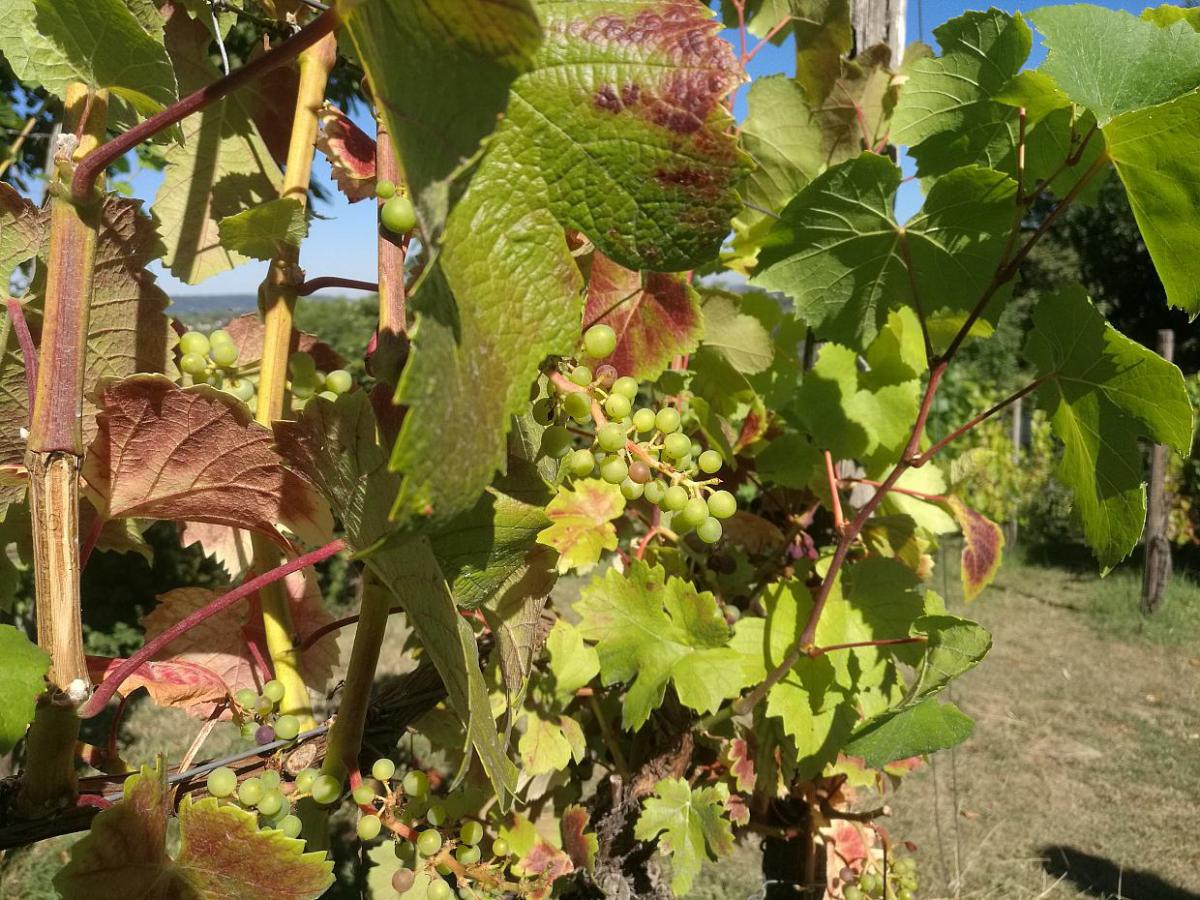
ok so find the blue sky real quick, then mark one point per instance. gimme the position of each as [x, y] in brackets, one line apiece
[341, 242]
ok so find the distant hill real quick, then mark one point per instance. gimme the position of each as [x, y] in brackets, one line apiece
[211, 310]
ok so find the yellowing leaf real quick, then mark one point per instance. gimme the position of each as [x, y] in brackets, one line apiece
[693, 826]
[581, 528]
[983, 542]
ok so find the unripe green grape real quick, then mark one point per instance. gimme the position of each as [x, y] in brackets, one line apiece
[194, 364]
[364, 794]
[436, 814]
[667, 420]
[626, 387]
[305, 779]
[542, 411]
[326, 789]
[416, 783]
[290, 825]
[500, 847]
[580, 463]
[581, 375]
[240, 388]
[468, 855]
[905, 865]
[721, 504]
[869, 883]
[631, 490]
[273, 690]
[224, 354]
[214, 378]
[556, 442]
[693, 513]
[654, 492]
[709, 530]
[677, 445]
[471, 832]
[643, 420]
[710, 461]
[600, 341]
[246, 698]
[222, 782]
[439, 890]
[429, 842]
[610, 437]
[250, 792]
[384, 189]
[578, 406]
[263, 707]
[328, 395]
[368, 828]
[271, 803]
[220, 336]
[905, 894]
[302, 364]
[617, 406]
[675, 498]
[194, 342]
[614, 470]
[270, 779]
[850, 892]
[287, 727]
[339, 381]
[397, 215]
[383, 769]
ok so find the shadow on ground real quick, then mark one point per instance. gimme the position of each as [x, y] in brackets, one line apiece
[1102, 877]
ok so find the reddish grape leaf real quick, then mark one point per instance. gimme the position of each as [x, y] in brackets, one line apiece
[247, 333]
[230, 547]
[116, 535]
[176, 683]
[578, 843]
[656, 316]
[983, 544]
[737, 756]
[737, 809]
[223, 854]
[21, 227]
[231, 643]
[165, 452]
[581, 528]
[350, 151]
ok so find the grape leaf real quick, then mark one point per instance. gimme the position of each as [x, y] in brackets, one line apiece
[223, 854]
[650, 630]
[247, 332]
[21, 228]
[928, 514]
[342, 447]
[221, 167]
[579, 843]
[925, 728]
[947, 112]
[350, 152]
[1165, 15]
[572, 662]
[617, 130]
[692, 824]
[1112, 62]
[656, 317]
[194, 454]
[1103, 392]
[101, 43]
[581, 518]
[266, 230]
[22, 681]
[983, 543]
[955, 646]
[1156, 152]
[173, 683]
[841, 256]
[549, 744]
[231, 643]
[230, 548]
[789, 460]
[737, 338]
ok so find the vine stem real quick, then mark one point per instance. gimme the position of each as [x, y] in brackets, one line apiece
[337, 625]
[312, 285]
[154, 646]
[839, 518]
[16, 313]
[908, 492]
[92, 165]
[982, 417]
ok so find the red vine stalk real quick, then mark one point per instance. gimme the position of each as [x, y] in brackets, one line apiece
[885, 642]
[336, 625]
[154, 646]
[908, 492]
[16, 313]
[839, 520]
[312, 285]
[982, 417]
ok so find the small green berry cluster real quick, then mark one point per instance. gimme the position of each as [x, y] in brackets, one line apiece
[212, 359]
[260, 714]
[396, 213]
[262, 795]
[899, 882]
[307, 381]
[643, 450]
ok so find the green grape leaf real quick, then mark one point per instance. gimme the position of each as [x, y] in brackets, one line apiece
[1166, 15]
[790, 460]
[739, 339]
[266, 230]
[1036, 92]
[222, 165]
[839, 253]
[693, 826]
[1103, 392]
[1156, 153]
[947, 111]
[1112, 62]
[549, 744]
[925, 728]
[342, 448]
[616, 129]
[983, 544]
[573, 663]
[928, 514]
[650, 629]
[656, 317]
[101, 43]
[581, 518]
[22, 680]
[223, 853]
[955, 646]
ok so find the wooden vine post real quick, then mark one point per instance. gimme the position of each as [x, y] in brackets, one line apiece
[1156, 572]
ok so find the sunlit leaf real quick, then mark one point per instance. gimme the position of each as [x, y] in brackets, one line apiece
[266, 230]
[22, 681]
[581, 528]
[983, 543]
[692, 824]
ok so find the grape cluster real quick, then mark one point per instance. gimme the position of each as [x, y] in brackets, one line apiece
[261, 794]
[900, 881]
[307, 381]
[643, 450]
[397, 214]
[260, 714]
[212, 359]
